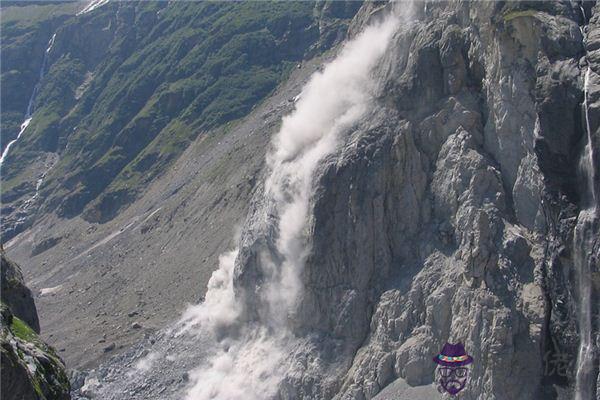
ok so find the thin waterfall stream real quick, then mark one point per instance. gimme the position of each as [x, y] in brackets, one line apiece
[583, 244]
[30, 105]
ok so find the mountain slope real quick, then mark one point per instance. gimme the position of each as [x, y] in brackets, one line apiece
[126, 87]
[156, 255]
[457, 207]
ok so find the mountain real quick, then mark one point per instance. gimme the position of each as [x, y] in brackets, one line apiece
[117, 92]
[196, 70]
[420, 173]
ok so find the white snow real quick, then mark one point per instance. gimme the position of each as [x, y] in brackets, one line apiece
[50, 290]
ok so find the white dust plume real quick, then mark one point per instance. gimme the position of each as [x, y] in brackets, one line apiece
[250, 364]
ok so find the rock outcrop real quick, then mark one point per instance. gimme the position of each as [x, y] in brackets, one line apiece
[16, 295]
[30, 369]
[448, 213]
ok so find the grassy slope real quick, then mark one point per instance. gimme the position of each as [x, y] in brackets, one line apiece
[24, 34]
[160, 76]
[49, 379]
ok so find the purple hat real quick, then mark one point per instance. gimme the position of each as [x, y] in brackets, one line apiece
[453, 355]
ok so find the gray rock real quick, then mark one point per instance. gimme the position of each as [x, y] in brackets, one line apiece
[109, 348]
[446, 215]
[30, 368]
[15, 294]
[77, 379]
[428, 226]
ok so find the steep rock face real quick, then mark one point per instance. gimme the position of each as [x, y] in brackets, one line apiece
[448, 213]
[30, 368]
[16, 295]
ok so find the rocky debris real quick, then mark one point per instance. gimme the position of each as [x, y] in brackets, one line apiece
[15, 294]
[77, 379]
[45, 244]
[136, 325]
[90, 387]
[131, 372]
[109, 348]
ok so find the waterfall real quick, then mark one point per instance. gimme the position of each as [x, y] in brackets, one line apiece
[92, 5]
[249, 361]
[583, 243]
[30, 105]
[586, 162]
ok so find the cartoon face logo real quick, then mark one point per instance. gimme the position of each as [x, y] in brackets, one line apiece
[452, 370]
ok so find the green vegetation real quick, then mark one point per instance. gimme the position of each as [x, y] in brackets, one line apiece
[49, 381]
[21, 330]
[519, 14]
[132, 84]
[23, 18]
[24, 35]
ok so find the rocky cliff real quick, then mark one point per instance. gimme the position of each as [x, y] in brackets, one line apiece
[448, 212]
[30, 368]
[16, 295]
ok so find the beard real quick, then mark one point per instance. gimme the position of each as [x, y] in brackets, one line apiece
[453, 386]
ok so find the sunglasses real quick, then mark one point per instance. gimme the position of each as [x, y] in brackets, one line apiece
[458, 372]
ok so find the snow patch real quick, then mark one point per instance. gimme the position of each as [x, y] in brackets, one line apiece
[50, 290]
